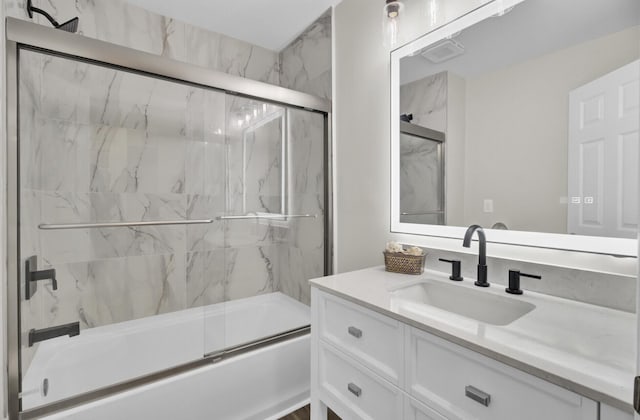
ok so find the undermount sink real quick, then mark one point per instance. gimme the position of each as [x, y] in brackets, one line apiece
[475, 304]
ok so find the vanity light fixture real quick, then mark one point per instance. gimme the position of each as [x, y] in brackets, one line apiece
[392, 13]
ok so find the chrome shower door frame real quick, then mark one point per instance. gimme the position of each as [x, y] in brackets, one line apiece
[25, 35]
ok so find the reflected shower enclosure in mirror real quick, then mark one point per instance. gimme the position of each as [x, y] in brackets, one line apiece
[536, 103]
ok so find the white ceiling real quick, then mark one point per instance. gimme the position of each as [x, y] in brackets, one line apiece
[531, 29]
[271, 24]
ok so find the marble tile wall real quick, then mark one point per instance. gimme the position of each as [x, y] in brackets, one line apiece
[302, 257]
[102, 145]
[305, 64]
[426, 99]
[119, 22]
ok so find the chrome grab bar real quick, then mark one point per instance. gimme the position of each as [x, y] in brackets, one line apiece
[45, 226]
[275, 217]
[424, 212]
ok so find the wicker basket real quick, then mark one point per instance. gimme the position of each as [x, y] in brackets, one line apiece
[397, 262]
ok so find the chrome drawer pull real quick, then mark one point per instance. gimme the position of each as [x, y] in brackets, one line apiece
[356, 332]
[354, 389]
[477, 395]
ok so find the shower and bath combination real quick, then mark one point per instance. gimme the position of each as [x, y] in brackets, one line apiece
[176, 233]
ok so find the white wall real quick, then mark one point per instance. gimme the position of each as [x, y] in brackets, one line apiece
[455, 149]
[362, 130]
[362, 124]
[527, 141]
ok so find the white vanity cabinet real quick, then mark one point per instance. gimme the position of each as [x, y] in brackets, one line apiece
[369, 366]
[462, 384]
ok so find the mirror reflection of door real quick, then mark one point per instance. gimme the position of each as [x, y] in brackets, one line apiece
[603, 155]
[504, 104]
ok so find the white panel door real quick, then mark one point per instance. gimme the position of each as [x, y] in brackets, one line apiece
[603, 155]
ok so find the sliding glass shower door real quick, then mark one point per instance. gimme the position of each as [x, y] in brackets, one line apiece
[121, 178]
[160, 223]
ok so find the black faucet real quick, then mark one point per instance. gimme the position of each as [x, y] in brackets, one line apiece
[482, 254]
[72, 329]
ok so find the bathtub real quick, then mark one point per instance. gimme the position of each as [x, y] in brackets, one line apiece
[265, 383]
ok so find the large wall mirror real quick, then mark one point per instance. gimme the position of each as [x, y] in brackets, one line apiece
[521, 116]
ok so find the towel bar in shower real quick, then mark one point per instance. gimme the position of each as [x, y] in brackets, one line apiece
[274, 217]
[45, 226]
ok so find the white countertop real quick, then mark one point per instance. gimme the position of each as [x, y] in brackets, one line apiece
[585, 348]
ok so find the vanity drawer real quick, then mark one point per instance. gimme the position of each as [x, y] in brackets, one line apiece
[356, 390]
[374, 340]
[455, 381]
[415, 410]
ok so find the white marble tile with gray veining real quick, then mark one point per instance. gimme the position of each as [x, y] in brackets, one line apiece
[65, 88]
[306, 152]
[205, 277]
[250, 271]
[104, 145]
[119, 22]
[251, 232]
[59, 157]
[64, 246]
[306, 62]
[232, 56]
[263, 166]
[298, 265]
[205, 237]
[307, 233]
[61, 306]
[124, 160]
[426, 99]
[128, 100]
[121, 289]
[135, 241]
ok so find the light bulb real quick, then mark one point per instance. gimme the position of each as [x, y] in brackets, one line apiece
[392, 13]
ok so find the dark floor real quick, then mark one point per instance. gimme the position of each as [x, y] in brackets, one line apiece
[304, 414]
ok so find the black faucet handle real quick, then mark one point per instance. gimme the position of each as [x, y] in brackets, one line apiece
[514, 281]
[54, 281]
[455, 269]
[33, 275]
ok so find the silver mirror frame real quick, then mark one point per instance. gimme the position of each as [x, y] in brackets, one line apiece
[579, 243]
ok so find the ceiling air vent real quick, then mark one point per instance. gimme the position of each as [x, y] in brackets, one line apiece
[443, 51]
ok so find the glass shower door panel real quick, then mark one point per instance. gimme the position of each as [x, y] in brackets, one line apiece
[421, 180]
[257, 224]
[303, 252]
[101, 145]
